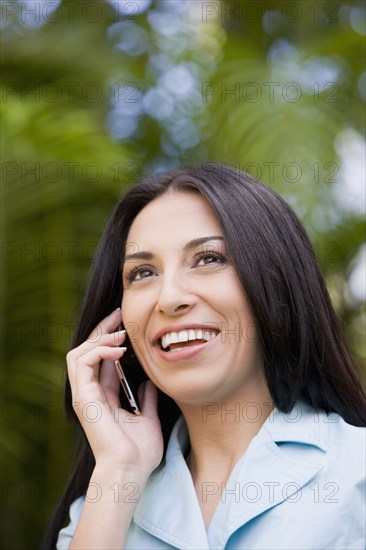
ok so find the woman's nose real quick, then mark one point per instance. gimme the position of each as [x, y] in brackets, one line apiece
[174, 297]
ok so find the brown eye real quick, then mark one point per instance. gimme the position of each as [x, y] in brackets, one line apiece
[210, 258]
[140, 273]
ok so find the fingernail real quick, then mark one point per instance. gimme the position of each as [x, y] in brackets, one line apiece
[123, 349]
[117, 309]
[120, 332]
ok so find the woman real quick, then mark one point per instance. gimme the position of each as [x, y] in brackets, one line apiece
[251, 428]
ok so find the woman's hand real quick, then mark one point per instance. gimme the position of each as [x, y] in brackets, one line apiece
[118, 439]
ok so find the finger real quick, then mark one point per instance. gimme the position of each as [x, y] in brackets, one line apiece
[107, 325]
[149, 401]
[110, 383]
[110, 339]
[114, 339]
[87, 367]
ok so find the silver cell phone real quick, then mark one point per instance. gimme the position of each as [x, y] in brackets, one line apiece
[126, 387]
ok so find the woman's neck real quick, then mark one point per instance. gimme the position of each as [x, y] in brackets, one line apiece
[220, 432]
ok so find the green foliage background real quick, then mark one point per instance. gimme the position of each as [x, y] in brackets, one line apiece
[94, 97]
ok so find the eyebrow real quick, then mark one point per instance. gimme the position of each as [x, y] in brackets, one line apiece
[194, 243]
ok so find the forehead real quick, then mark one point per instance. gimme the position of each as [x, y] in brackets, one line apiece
[176, 216]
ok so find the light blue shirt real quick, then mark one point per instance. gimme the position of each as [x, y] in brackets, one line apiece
[299, 485]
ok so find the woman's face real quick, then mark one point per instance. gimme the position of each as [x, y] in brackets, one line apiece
[183, 307]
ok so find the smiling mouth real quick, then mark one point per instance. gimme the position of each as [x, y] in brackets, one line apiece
[178, 341]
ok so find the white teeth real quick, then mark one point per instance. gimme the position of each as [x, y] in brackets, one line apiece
[184, 336]
[170, 338]
[209, 335]
[174, 337]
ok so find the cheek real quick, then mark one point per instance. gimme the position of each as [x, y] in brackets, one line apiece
[129, 319]
[124, 308]
[134, 316]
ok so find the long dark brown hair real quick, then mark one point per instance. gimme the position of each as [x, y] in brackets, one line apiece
[305, 355]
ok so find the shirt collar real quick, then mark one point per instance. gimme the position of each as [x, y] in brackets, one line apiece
[302, 424]
[169, 510]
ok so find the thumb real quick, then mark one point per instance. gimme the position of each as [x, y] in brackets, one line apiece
[149, 399]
